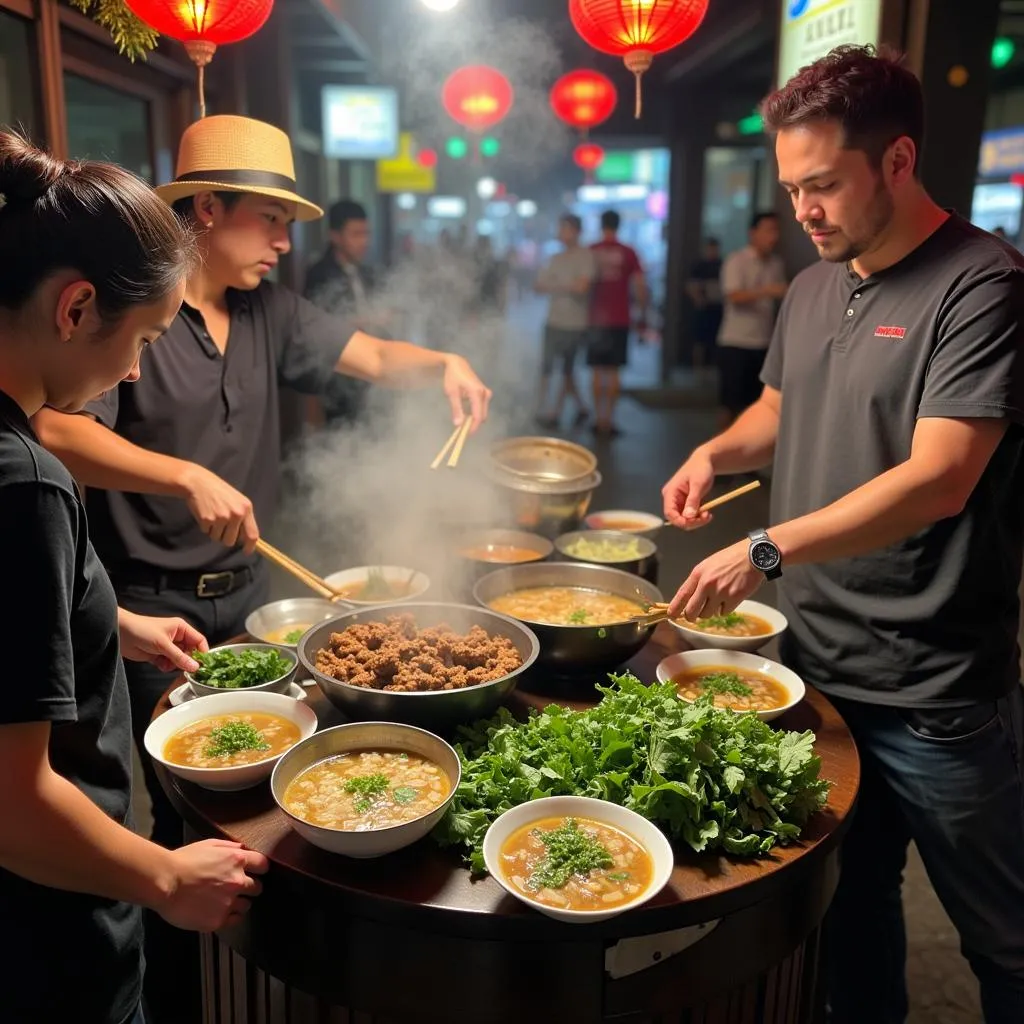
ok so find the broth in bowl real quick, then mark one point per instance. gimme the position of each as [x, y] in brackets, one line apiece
[737, 689]
[567, 606]
[500, 554]
[734, 624]
[288, 636]
[229, 741]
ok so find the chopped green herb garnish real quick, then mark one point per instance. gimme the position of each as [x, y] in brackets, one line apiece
[294, 636]
[722, 621]
[602, 633]
[235, 670]
[579, 617]
[233, 738]
[366, 788]
[725, 683]
[404, 795]
[570, 851]
[619, 876]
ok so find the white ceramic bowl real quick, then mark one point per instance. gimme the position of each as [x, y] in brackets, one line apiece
[394, 574]
[227, 702]
[278, 685]
[612, 519]
[687, 661]
[699, 639]
[649, 836]
[365, 736]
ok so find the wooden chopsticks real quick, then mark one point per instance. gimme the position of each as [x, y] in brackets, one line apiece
[657, 612]
[300, 572]
[454, 445]
[723, 498]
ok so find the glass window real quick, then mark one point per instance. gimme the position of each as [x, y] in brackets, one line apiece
[107, 124]
[17, 86]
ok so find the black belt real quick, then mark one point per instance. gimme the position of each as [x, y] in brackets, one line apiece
[205, 585]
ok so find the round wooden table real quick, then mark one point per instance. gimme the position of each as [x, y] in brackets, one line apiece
[413, 938]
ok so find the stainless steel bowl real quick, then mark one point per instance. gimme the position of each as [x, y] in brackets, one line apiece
[279, 685]
[437, 709]
[639, 566]
[462, 570]
[572, 650]
[546, 508]
[542, 459]
[292, 612]
[365, 736]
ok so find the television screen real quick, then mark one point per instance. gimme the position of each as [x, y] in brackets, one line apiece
[360, 122]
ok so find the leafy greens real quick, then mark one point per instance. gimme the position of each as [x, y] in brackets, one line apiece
[236, 670]
[710, 777]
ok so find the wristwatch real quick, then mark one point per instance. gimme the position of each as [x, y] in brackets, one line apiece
[765, 554]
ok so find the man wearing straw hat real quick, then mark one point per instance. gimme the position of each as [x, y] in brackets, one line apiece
[183, 465]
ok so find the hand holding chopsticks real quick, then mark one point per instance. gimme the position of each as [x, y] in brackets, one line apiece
[454, 445]
[722, 499]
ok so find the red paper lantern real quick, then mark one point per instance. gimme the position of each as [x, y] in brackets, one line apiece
[477, 97]
[636, 29]
[427, 158]
[583, 99]
[203, 25]
[589, 156]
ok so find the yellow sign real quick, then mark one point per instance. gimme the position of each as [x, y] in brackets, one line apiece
[404, 173]
[810, 28]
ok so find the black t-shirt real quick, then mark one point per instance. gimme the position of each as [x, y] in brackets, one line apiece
[68, 956]
[931, 620]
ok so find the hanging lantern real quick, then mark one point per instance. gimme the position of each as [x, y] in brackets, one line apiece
[583, 99]
[588, 156]
[477, 97]
[203, 25]
[636, 30]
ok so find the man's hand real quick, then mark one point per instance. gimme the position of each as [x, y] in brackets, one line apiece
[166, 643]
[461, 384]
[212, 885]
[686, 491]
[717, 585]
[223, 514]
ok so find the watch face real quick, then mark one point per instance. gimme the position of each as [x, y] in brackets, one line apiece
[765, 556]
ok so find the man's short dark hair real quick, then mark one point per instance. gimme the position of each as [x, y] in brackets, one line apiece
[874, 98]
[572, 221]
[759, 218]
[610, 221]
[343, 211]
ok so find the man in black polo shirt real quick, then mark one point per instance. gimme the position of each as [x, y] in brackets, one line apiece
[893, 405]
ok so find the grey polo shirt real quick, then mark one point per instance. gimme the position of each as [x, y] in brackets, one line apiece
[931, 620]
[221, 412]
[749, 325]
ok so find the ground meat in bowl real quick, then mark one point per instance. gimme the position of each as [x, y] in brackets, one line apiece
[395, 655]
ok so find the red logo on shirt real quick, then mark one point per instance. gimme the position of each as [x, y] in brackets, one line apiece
[890, 332]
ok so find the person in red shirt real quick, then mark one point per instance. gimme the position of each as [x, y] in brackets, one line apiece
[619, 278]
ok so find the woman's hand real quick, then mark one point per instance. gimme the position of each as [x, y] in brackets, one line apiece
[166, 643]
[461, 384]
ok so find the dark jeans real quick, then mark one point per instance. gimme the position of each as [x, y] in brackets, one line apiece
[951, 781]
[172, 980]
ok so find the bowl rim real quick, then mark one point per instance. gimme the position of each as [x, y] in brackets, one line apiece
[654, 521]
[657, 884]
[421, 583]
[407, 609]
[795, 686]
[287, 650]
[499, 447]
[543, 547]
[174, 768]
[564, 539]
[443, 806]
[264, 609]
[759, 608]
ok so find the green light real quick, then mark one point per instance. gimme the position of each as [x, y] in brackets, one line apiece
[489, 147]
[1003, 50]
[456, 148]
[750, 125]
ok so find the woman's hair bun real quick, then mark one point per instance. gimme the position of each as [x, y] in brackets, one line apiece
[26, 173]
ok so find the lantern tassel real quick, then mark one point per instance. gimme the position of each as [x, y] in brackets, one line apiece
[201, 52]
[639, 61]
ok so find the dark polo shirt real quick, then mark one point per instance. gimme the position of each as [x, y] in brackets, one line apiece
[221, 412]
[931, 620]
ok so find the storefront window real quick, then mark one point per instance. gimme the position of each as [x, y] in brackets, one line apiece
[17, 88]
[107, 124]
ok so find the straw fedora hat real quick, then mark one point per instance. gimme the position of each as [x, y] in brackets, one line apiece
[225, 153]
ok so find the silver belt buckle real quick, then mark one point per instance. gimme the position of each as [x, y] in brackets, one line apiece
[215, 584]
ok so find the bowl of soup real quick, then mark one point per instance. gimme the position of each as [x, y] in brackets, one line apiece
[644, 524]
[368, 788]
[736, 680]
[229, 741]
[628, 552]
[577, 859]
[283, 622]
[372, 585]
[587, 618]
[749, 628]
[256, 667]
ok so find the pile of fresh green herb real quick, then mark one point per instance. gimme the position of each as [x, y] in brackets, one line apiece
[236, 670]
[233, 738]
[722, 621]
[724, 682]
[568, 851]
[366, 789]
[711, 777]
[294, 636]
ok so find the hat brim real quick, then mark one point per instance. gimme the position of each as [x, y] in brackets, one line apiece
[175, 190]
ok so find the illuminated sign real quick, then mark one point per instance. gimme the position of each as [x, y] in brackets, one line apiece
[1001, 153]
[405, 173]
[359, 122]
[810, 28]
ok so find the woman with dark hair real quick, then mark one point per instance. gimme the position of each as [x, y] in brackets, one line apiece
[94, 268]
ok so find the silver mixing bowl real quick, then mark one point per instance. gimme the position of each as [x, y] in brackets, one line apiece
[435, 709]
[542, 459]
[646, 549]
[293, 611]
[549, 509]
[573, 650]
